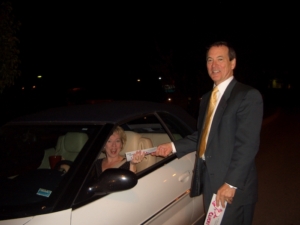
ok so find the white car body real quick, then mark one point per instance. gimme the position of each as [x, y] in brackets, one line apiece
[177, 173]
[161, 196]
[117, 208]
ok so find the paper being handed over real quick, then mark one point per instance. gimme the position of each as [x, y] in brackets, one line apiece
[129, 155]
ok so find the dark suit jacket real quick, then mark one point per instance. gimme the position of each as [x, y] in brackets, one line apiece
[232, 143]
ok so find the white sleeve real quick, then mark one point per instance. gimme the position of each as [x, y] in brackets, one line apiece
[173, 148]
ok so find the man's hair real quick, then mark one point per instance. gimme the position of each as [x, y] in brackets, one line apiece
[231, 51]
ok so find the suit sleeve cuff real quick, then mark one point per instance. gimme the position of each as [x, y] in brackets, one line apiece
[173, 148]
[231, 186]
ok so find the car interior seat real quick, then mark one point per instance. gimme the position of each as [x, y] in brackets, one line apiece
[134, 142]
[45, 162]
[51, 151]
[69, 145]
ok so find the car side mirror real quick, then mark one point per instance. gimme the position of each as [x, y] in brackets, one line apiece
[113, 180]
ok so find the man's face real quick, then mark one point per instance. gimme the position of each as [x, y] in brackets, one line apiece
[219, 67]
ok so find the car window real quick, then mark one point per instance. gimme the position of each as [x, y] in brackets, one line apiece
[147, 126]
[149, 131]
[176, 127]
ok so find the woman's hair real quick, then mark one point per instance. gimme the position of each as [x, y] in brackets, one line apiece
[119, 130]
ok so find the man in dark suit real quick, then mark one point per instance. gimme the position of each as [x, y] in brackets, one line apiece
[227, 168]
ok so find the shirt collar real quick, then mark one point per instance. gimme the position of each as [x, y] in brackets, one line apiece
[222, 86]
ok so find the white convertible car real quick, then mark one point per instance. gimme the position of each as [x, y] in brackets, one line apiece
[33, 193]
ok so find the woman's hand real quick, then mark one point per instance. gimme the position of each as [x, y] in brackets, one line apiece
[138, 157]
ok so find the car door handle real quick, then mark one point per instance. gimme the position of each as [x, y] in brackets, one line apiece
[184, 177]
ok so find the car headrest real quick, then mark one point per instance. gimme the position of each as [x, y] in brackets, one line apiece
[135, 142]
[74, 141]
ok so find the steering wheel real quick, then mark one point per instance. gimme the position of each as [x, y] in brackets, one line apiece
[63, 162]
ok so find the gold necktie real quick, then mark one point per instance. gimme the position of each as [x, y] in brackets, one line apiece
[211, 107]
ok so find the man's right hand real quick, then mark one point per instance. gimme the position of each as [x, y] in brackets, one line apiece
[163, 150]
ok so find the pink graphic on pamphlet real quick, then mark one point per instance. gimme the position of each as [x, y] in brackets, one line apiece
[215, 214]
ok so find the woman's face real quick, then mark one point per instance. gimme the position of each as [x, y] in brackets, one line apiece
[113, 145]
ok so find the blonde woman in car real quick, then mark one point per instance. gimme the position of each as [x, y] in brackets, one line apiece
[112, 149]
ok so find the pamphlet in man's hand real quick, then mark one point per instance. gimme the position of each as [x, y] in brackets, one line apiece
[215, 214]
[129, 155]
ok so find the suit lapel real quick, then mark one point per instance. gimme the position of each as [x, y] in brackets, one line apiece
[220, 110]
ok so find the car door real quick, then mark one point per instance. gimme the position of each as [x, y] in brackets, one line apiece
[162, 193]
[156, 198]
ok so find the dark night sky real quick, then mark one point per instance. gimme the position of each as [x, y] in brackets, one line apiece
[107, 46]
[66, 42]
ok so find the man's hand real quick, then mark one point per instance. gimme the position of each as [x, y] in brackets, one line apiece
[225, 193]
[163, 150]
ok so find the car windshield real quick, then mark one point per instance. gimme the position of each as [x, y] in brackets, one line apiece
[27, 174]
